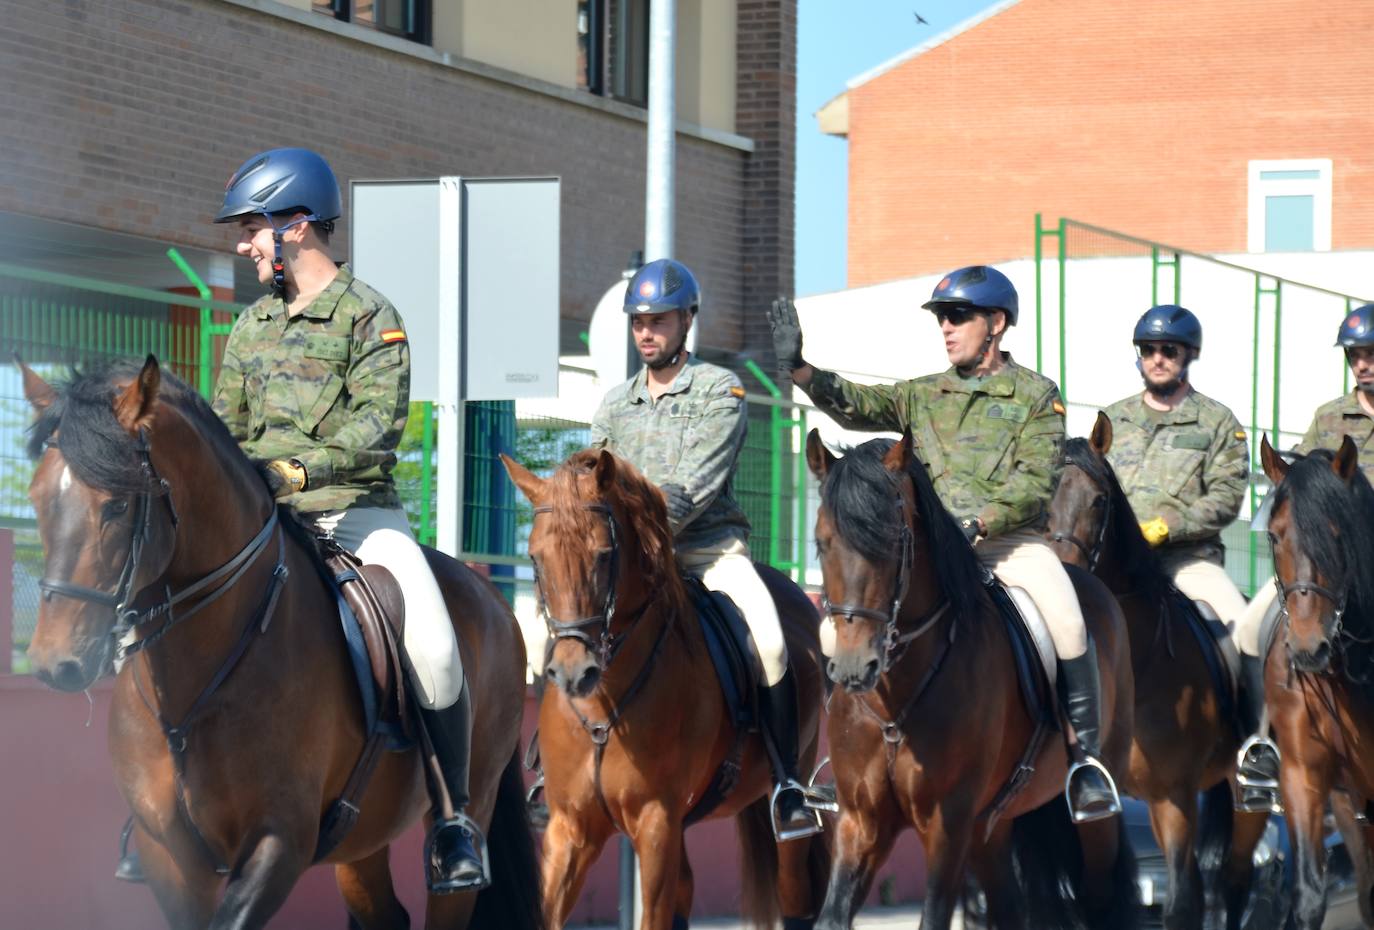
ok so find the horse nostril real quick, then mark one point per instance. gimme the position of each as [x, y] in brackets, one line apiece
[831, 670]
[68, 675]
[587, 681]
[871, 671]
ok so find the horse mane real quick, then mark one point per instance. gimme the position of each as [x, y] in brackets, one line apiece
[860, 491]
[1320, 500]
[643, 507]
[1128, 547]
[100, 452]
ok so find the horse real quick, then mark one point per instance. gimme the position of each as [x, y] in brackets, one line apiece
[633, 731]
[929, 728]
[1319, 688]
[1183, 741]
[236, 717]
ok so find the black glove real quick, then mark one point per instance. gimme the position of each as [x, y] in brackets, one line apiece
[970, 527]
[787, 334]
[679, 504]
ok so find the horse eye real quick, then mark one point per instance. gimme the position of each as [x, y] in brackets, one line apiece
[113, 509]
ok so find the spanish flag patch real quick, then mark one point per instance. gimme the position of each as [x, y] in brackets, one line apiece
[1058, 408]
[393, 335]
[1240, 434]
[737, 392]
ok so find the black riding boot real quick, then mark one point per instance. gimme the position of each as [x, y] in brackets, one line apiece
[792, 819]
[1257, 762]
[1089, 788]
[130, 869]
[535, 806]
[456, 850]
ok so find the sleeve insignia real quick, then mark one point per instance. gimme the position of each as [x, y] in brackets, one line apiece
[1240, 434]
[393, 335]
[1058, 407]
[737, 391]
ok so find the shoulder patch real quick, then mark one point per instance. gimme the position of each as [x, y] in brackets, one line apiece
[1058, 406]
[1240, 434]
[737, 391]
[393, 335]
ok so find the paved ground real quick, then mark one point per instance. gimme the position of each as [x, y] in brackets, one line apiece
[871, 919]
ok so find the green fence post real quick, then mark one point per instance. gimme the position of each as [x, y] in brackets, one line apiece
[427, 473]
[774, 463]
[1039, 302]
[206, 319]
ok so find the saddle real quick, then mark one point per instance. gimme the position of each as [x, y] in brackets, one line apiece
[1218, 651]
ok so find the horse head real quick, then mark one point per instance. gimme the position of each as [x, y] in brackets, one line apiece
[599, 544]
[1320, 534]
[1080, 509]
[866, 545]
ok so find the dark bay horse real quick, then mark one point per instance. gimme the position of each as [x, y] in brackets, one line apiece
[236, 719]
[1319, 672]
[636, 727]
[931, 725]
[1183, 743]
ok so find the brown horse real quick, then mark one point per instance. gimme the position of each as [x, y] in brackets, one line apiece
[1183, 740]
[930, 726]
[1319, 687]
[637, 727]
[237, 719]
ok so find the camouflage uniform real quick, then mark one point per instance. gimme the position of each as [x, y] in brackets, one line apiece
[692, 435]
[330, 388]
[1332, 422]
[993, 447]
[1190, 467]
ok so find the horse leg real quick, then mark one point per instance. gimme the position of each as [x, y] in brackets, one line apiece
[686, 887]
[863, 840]
[258, 886]
[186, 899]
[368, 893]
[658, 840]
[1238, 872]
[1305, 806]
[796, 875]
[947, 848]
[1356, 837]
[570, 849]
[1174, 819]
[992, 864]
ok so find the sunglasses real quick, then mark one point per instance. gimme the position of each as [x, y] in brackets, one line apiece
[1166, 349]
[957, 316]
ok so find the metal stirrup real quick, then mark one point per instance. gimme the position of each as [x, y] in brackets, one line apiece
[813, 827]
[1113, 808]
[1246, 781]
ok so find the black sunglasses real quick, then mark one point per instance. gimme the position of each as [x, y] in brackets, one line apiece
[957, 316]
[1167, 349]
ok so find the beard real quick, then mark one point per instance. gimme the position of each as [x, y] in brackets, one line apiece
[1165, 390]
[666, 360]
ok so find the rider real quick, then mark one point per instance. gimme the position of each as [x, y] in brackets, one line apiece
[991, 434]
[315, 385]
[682, 422]
[1348, 415]
[1182, 460]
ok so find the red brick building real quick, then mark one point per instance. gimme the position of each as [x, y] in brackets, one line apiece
[1220, 126]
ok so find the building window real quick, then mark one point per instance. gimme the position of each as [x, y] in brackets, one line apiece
[613, 49]
[409, 19]
[1290, 205]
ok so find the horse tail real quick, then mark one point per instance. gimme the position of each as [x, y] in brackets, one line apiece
[1214, 828]
[759, 864]
[513, 899]
[1048, 857]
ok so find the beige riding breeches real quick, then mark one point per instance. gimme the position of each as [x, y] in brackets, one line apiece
[1201, 580]
[729, 569]
[1250, 619]
[1024, 559]
[380, 536]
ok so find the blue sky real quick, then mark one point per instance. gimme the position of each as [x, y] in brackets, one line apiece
[838, 40]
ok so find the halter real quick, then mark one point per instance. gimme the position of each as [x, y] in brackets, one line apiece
[1094, 553]
[604, 645]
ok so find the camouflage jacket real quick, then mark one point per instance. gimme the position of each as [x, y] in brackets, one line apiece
[993, 446]
[329, 387]
[692, 436]
[1189, 465]
[1342, 417]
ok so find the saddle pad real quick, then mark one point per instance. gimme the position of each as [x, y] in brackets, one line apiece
[732, 652]
[1219, 649]
[1039, 631]
[1269, 627]
[1033, 673]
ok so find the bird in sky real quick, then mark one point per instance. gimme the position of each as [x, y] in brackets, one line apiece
[920, 21]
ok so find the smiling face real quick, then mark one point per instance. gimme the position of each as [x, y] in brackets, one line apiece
[255, 242]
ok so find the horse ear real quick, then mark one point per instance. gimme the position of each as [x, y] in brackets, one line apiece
[38, 392]
[1101, 438]
[898, 458]
[1274, 465]
[818, 457]
[530, 484]
[605, 470]
[1347, 460]
[134, 406]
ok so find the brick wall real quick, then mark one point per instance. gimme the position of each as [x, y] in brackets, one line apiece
[129, 115]
[1139, 117]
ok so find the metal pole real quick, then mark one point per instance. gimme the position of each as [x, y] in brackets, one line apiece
[1039, 303]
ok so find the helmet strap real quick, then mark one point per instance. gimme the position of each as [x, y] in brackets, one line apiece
[278, 262]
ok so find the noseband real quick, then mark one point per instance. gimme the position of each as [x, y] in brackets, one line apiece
[1338, 601]
[602, 643]
[1095, 552]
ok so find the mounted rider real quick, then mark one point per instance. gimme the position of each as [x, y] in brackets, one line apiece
[315, 386]
[1182, 459]
[1348, 415]
[991, 435]
[682, 422]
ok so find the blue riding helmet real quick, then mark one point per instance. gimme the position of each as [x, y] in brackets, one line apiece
[662, 286]
[280, 181]
[1169, 323]
[978, 287]
[1357, 329]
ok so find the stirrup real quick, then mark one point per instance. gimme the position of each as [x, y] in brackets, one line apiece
[814, 824]
[1249, 799]
[1113, 808]
[821, 797]
[479, 844]
[1247, 781]
[535, 808]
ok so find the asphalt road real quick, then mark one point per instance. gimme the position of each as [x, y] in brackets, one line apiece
[884, 918]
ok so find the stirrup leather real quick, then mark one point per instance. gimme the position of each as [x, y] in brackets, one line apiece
[812, 805]
[1246, 781]
[1113, 808]
[479, 843]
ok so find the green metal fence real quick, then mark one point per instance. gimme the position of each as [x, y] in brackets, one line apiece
[1267, 340]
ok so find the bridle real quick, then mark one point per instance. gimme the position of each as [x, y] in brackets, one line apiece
[1093, 553]
[603, 644]
[1338, 601]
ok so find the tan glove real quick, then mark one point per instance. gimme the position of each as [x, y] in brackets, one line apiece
[1156, 531]
[284, 477]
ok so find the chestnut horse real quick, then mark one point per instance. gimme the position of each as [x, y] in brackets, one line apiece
[236, 719]
[1183, 741]
[930, 724]
[1319, 687]
[637, 726]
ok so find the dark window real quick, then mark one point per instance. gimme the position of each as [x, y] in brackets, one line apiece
[613, 49]
[409, 19]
